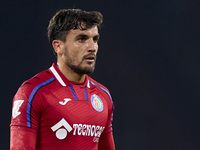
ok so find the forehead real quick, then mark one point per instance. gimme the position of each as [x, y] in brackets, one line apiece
[93, 31]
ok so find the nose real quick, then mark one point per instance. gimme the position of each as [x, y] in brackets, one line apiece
[92, 46]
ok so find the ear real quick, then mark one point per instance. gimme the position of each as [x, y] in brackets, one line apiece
[58, 46]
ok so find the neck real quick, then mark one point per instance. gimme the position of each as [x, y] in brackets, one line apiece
[70, 74]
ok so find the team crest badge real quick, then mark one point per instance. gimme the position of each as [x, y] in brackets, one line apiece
[96, 103]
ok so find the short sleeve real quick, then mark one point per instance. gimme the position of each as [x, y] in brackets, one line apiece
[26, 108]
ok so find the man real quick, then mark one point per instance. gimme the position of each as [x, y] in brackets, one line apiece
[62, 107]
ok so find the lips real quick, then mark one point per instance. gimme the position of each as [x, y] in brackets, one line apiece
[90, 58]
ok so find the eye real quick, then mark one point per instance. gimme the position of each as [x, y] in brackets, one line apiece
[81, 39]
[96, 39]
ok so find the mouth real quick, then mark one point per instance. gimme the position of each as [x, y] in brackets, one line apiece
[90, 58]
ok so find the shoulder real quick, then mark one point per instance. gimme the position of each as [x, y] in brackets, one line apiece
[36, 82]
[95, 83]
[43, 78]
[101, 87]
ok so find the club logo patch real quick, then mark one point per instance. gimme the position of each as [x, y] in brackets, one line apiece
[96, 103]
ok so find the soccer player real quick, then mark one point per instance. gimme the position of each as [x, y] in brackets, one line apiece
[62, 108]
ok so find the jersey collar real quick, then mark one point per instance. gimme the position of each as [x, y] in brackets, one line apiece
[63, 80]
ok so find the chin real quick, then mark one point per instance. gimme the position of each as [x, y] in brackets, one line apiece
[83, 70]
[88, 70]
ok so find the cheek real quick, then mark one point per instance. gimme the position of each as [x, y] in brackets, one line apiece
[97, 47]
[77, 56]
[83, 47]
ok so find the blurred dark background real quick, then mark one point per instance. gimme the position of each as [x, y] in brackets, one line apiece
[148, 58]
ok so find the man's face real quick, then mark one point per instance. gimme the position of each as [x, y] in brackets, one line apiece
[81, 48]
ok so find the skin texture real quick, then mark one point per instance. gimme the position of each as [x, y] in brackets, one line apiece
[76, 57]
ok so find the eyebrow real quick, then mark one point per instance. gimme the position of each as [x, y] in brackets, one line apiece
[82, 36]
[86, 36]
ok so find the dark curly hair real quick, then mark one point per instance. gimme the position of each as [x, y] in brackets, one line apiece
[66, 19]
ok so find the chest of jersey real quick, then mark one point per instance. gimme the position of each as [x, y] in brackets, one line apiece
[74, 111]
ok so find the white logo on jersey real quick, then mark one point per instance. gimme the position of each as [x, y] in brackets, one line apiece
[61, 133]
[15, 111]
[65, 101]
[79, 129]
[87, 130]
